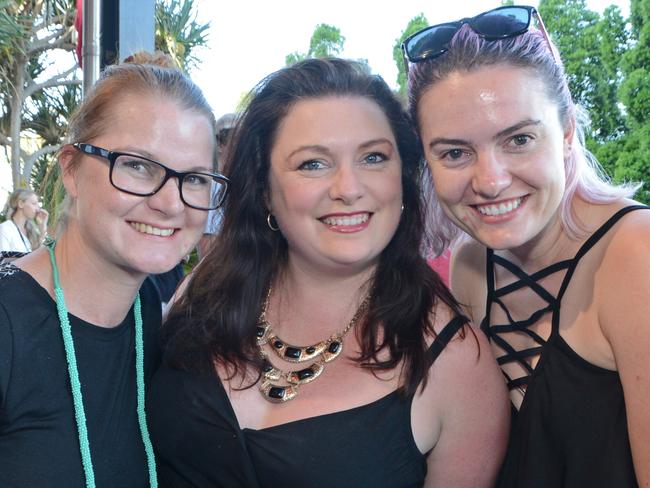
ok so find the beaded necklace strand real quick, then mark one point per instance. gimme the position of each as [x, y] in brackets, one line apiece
[75, 385]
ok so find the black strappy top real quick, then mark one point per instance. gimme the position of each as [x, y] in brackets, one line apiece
[199, 442]
[571, 428]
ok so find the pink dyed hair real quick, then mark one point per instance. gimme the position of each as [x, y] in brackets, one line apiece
[529, 51]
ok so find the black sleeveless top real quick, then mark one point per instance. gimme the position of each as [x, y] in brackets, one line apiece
[199, 442]
[570, 430]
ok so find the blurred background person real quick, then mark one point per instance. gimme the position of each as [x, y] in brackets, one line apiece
[26, 224]
[225, 126]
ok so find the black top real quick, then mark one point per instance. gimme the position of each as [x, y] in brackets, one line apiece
[200, 444]
[39, 444]
[571, 429]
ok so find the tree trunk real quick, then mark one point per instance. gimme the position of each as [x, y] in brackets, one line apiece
[16, 105]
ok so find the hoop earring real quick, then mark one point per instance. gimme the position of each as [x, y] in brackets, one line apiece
[269, 223]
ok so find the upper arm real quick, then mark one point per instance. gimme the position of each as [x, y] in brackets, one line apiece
[468, 278]
[624, 315]
[472, 404]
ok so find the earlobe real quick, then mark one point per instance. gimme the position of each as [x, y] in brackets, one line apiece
[66, 166]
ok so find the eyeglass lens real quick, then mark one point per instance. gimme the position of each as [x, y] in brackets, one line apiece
[494, 24]
[144, 177]
[501, 23]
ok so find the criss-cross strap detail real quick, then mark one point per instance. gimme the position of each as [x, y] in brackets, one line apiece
[496, 332]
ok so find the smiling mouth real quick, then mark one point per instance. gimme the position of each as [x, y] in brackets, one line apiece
[501, 208]
[148, 229]
[347, 220]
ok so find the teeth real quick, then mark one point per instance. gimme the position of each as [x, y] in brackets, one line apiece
[500, 209]
[147, 229]
[351, 220]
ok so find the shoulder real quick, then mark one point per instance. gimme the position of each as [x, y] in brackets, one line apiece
[463, 384]
[468, 277]
[625, 268]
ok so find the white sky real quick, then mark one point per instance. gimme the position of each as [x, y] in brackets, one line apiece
[249, 39]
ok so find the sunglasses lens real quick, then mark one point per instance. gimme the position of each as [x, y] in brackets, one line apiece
[503, 22]
[430, 42]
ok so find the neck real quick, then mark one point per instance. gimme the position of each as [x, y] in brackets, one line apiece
[19, 219]
[94, 290]
[309, 307]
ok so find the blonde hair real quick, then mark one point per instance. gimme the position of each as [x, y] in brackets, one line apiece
[12, 206]
[142, 73]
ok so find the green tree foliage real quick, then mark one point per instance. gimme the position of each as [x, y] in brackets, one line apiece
[31, 31]
[178, 33]
[633, 158]
[591, 49]
[37, 99]
[326, 41]
[415, 24]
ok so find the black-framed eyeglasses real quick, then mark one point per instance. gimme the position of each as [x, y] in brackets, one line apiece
[137, 175]
[493, 25]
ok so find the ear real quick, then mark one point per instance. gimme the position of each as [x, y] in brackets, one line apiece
[569, 133]
[68, 169]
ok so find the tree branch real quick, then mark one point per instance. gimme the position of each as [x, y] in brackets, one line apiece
[61, 36]
[56, 80]
[31, 159]
[57, 19]
[4, 140]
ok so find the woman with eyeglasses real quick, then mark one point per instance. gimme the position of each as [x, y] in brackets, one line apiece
[324, 351]
[557, 269]
[77, 318]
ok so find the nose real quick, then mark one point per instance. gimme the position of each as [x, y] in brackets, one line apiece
[491, 175]
[168, 199]
[346, 184]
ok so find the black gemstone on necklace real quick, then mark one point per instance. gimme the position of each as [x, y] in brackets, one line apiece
[304, 373]
[267, 367]
[310, 350]
[334, 347]
[277, 392]
[259, 332]
[278, 344]
[292, 352]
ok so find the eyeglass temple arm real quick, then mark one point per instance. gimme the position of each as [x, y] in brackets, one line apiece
[542, 28]
[406, 63]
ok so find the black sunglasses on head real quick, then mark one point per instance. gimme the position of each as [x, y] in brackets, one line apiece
[495, 24]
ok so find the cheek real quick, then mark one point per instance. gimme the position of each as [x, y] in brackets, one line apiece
[450, 185]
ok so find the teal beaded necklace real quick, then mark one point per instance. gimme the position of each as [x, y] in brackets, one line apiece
[75, 385]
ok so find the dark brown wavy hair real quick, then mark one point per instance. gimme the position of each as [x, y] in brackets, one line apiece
[215, 319]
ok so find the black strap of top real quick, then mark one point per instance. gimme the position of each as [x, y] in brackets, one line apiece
[445, 335]
[531, 281]
[593, 239]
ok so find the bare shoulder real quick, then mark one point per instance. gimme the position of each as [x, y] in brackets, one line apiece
[625, 268]
[623, 310]
[468, 277]
[465, 367]
[463, 408]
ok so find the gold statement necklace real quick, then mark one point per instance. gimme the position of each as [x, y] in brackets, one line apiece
[280, 386]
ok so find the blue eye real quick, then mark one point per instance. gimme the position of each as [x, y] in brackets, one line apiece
[196, 179]
[521, 139]
[375, 158]
[311, 165]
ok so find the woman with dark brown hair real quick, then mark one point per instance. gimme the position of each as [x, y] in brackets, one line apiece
[314, 346]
